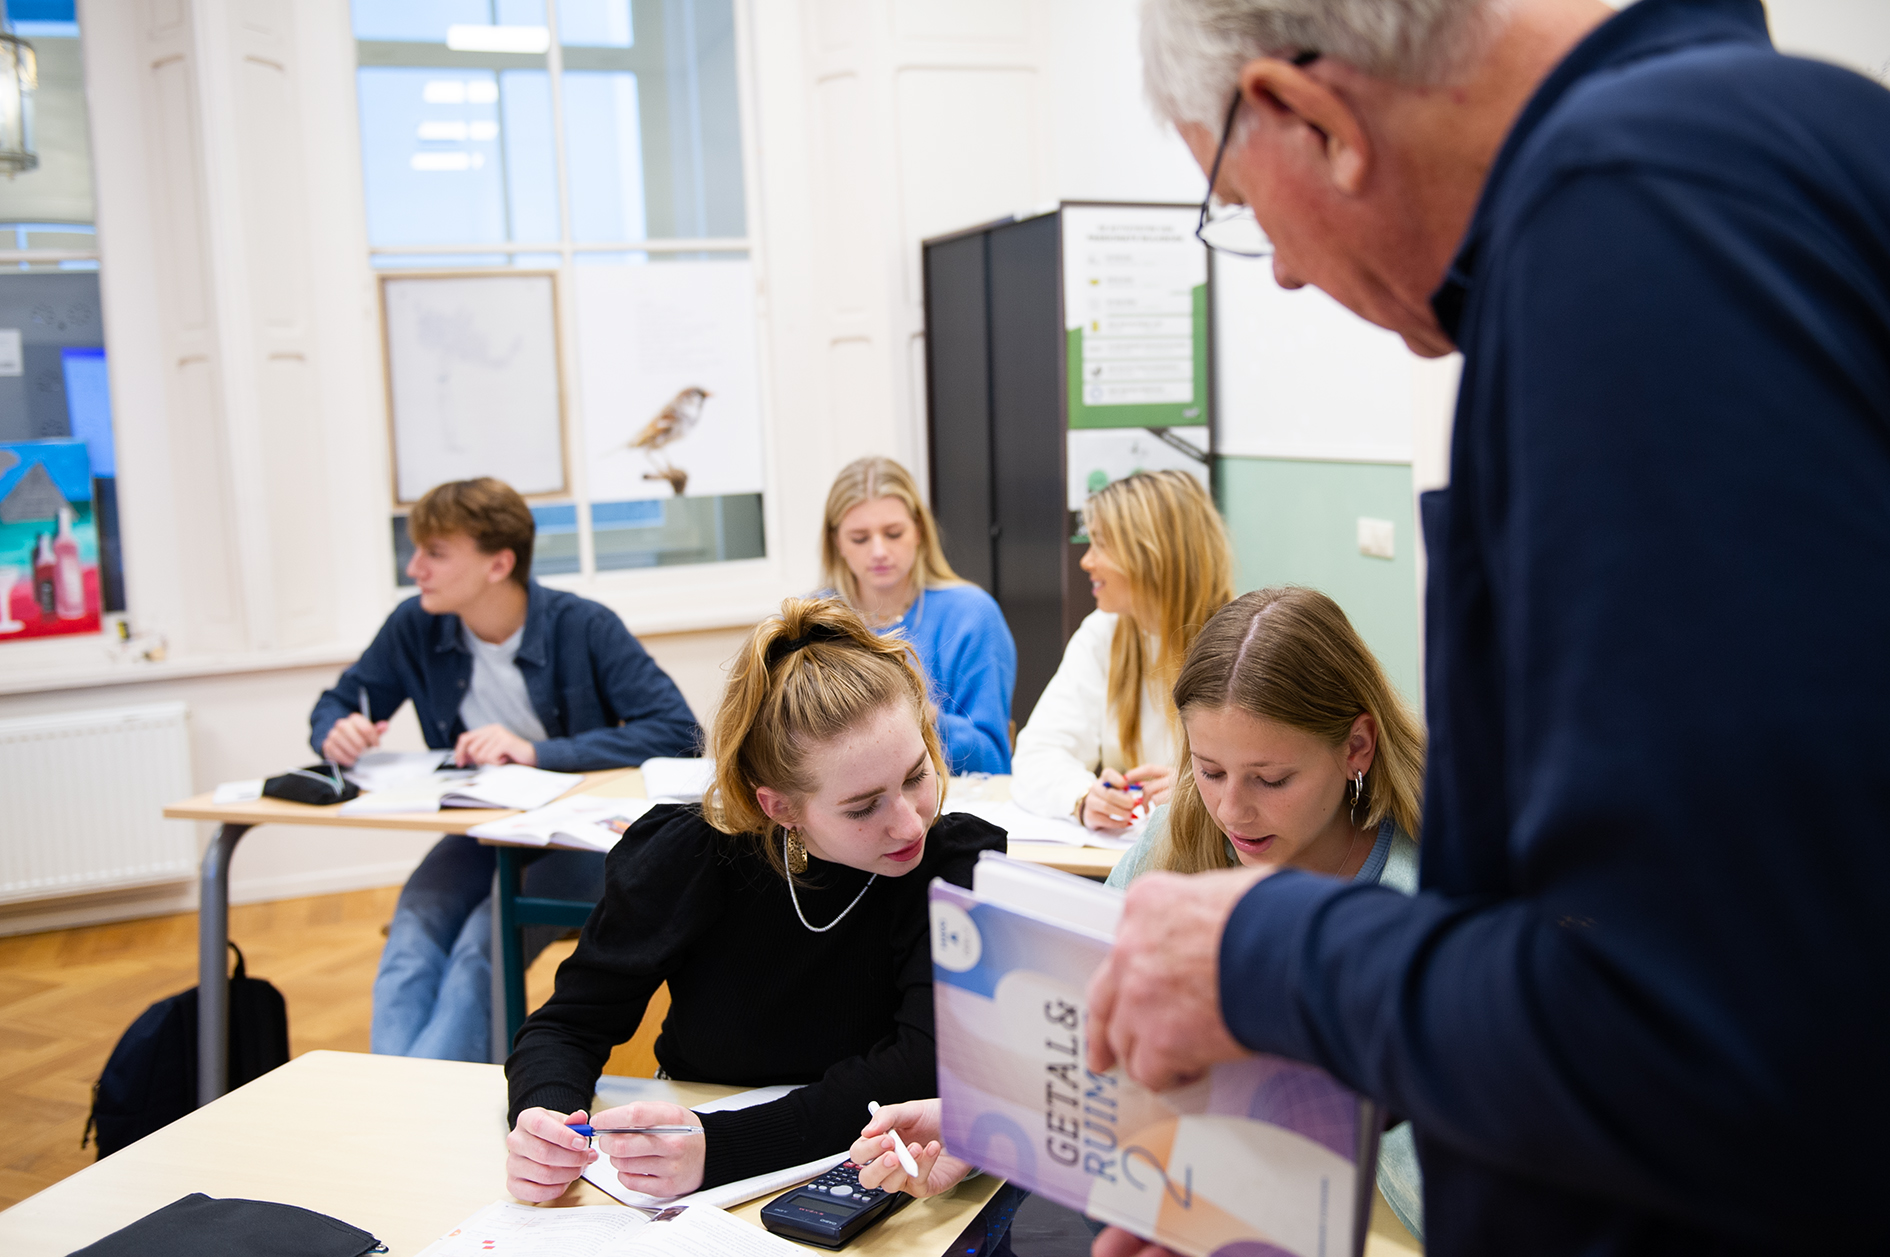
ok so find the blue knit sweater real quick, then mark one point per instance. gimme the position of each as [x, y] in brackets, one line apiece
[970, 662]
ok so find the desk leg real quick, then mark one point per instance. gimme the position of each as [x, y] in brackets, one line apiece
[213, 950]
[508, 954]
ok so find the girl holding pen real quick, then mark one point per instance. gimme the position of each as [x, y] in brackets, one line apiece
[787, 914]
[1100, 741]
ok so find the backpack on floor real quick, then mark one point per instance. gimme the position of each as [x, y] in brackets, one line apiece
[151, 1079]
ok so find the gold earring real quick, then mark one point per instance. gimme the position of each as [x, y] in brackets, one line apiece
[794, 851]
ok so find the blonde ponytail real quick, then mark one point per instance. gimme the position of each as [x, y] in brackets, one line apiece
[803, 678]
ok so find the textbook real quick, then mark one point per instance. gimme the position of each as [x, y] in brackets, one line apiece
[579, 822]
[495, 786]
[514, 1230]
[1263, 1157]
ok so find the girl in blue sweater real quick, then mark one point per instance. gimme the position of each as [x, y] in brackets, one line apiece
[881, 554]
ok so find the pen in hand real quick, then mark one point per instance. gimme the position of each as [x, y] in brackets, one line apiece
[591, 1132]
[906, 1162]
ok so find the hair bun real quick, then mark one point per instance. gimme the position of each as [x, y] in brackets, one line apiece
[819, 631]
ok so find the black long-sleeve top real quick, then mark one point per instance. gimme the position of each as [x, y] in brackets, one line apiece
[756, 998]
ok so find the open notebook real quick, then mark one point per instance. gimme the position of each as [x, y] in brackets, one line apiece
[498, 786]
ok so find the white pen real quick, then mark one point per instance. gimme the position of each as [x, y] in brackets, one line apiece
[906, 1162]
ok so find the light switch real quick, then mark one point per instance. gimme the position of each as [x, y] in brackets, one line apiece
[1375, 537]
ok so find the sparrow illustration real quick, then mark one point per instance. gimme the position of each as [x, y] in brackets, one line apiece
[673, 422]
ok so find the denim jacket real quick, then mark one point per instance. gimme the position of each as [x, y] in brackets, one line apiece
[601, 698]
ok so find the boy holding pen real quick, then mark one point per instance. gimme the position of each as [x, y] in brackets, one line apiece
[501, 670]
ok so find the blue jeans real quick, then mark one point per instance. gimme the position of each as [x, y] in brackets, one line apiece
[433, 994]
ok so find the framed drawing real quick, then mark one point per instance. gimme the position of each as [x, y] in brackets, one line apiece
[473, 380]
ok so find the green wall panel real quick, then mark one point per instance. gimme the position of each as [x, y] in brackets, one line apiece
[1296, 523]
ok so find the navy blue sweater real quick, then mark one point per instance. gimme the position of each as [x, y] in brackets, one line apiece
[1642, 1001]
[602, 699]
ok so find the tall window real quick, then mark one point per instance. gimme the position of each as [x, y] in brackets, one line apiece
[609, 158]
[59, 542]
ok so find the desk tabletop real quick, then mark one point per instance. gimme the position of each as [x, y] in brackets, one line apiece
[449, 820]
[326, 1132]
[617, 783]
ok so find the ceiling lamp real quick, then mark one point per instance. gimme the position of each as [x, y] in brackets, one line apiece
[19, 79]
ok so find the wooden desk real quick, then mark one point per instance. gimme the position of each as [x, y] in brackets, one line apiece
[510, 910]
[402, 1148]
[213, 910]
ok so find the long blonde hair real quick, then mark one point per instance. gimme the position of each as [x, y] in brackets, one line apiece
[1290, 655]
[1161, 529]
[867, 480]
[803, 678]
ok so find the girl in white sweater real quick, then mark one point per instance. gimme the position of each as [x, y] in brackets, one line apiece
[1159, 564]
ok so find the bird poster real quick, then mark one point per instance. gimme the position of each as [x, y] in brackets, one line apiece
[667, 360]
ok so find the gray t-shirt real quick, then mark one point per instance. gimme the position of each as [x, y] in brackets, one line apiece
[497, 694]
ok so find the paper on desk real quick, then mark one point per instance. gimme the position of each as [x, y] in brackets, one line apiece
[580, 822]
[1024, 826]
[517, 1230]
[238, 791]
[613, 1091]
[383, 770]
[497, 786]
[678, 780]
[510, 786]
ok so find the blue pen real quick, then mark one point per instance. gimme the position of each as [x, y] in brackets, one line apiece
[591, 1132]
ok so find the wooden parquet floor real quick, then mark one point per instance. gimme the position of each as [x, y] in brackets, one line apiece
[67, 995]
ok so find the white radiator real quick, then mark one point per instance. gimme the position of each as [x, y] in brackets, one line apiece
[82, 797]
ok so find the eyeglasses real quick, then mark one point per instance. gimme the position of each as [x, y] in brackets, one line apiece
[1232, 228]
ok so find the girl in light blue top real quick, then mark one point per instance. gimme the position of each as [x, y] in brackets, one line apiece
[1295, 750]
[882, 554]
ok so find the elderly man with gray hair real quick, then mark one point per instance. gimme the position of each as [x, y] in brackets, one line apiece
[1639, 1003]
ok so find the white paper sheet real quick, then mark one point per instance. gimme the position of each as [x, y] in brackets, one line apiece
[383, 770]
[682, 780]
[509, 1229]
[497, 786]
[238, 791]
[1024, 826]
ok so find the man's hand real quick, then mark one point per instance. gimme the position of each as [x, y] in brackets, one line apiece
[351, 737]
[493, 744]
[1155, 1005]
[1116, 1242]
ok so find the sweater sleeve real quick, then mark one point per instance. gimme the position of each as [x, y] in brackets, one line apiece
[625, 952]
[975, 674]
[654, 718]
[826, 1116]
[1060, 751]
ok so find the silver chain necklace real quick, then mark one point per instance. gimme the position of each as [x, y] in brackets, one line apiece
[822, 929]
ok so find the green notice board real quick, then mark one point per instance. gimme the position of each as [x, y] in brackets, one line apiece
[1135, 317]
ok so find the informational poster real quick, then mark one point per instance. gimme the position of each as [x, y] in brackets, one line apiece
[1135, 316]
[1303, 377]
[472, 363]
[1098, 457]
[667, 360]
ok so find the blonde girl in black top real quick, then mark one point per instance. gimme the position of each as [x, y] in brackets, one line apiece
[787, 914]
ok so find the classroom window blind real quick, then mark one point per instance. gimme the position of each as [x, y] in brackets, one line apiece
[599, 141]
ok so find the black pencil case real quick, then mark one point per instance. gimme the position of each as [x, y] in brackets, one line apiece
[319, 784]
[203, 1226]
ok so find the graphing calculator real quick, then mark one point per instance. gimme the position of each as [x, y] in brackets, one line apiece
[832, 1209]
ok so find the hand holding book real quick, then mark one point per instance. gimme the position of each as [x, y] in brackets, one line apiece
[1155, 1003]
